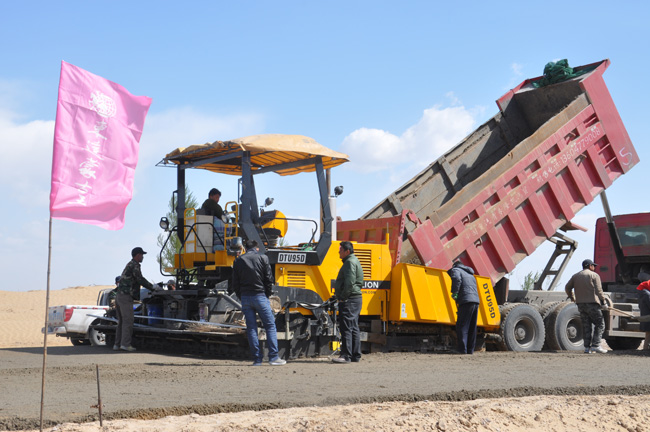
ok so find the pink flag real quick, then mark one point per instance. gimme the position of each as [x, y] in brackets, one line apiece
[98, 128]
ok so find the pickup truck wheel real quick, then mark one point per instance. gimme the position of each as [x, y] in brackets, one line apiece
[96, 337]
[79, 342]
[564, 328]
[522, 328]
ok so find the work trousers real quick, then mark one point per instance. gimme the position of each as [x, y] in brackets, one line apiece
[466, 327]
[349, 311]
[590, 314]
[124, 307]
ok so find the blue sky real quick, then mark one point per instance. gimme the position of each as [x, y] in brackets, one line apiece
[364, 78]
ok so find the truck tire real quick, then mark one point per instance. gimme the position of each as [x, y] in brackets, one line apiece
[564, 328]
[624, 343]
[79, 342]
[545, 310]
[522, 328]
[96, 337]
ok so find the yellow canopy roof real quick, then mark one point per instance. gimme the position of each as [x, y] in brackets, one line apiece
[267, 151]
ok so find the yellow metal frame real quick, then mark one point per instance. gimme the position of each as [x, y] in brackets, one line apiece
[218, 258]
[417, 294]
[375, 260]
[423, 295]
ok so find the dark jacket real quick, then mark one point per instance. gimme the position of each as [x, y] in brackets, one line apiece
[463, 283]
[252, 275]
[350, 279]
[644, 308]
[212, 208]
[587, 287]
[132, 279]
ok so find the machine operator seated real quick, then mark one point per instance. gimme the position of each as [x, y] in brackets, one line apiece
[211, 207]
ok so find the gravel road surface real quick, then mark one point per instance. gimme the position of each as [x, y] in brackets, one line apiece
[152, 385]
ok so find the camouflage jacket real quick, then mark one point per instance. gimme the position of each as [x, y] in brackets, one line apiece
[132, 279]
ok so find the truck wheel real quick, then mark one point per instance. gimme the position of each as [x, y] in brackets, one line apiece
[96, 337]
[545, 310]
[522, 328]
[623, 343]
[79, 342]
[564, 328]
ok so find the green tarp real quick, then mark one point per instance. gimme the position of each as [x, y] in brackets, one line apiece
[555, 72]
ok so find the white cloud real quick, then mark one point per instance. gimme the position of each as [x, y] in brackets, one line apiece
[372, 149]
[27, 150]
[438, 130]
[182, 127]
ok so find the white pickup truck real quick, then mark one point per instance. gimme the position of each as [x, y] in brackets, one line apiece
[73, 321]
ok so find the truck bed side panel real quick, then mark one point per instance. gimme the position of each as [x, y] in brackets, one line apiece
[499, 194]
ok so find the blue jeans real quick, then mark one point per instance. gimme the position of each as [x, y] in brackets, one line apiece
[219, 234]
[252, 306]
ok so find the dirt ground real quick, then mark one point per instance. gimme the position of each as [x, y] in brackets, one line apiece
[489, 391]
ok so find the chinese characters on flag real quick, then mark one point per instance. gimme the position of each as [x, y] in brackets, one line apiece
[96, 136]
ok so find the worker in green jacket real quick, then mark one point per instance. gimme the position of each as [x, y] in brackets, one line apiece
[347, 290]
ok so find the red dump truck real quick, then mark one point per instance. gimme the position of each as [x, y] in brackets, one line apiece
[512, 184]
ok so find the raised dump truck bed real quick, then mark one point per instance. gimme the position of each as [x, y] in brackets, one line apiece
[510, 185]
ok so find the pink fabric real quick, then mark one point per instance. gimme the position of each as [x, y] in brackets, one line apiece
[96, 136]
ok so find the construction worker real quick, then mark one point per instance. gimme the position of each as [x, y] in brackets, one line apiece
[347, 290]
[464, 290]
[644, 309]
[112, 295]
[591, 301]
[127, 291]
[252, 281]
[211, 205]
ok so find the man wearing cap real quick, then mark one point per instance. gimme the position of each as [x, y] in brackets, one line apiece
[591, 301]
[128, 290]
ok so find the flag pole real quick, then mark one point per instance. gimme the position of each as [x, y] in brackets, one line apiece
[47, 307]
